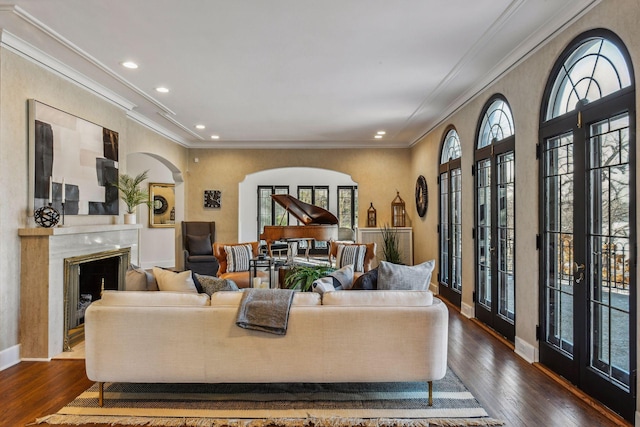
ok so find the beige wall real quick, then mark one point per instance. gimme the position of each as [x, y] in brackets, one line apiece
[21, 80]
[523, 88]
[378, 172]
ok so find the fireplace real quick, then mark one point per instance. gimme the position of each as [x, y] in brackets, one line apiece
[50, 256]
[85, 278]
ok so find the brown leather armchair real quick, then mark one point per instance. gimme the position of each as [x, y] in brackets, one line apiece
[198, 238]
[241, 278]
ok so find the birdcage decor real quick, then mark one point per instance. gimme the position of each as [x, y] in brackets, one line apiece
[398, 211]
[371, 216]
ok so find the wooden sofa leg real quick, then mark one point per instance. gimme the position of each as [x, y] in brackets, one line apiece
[430, 393]
[100, 394]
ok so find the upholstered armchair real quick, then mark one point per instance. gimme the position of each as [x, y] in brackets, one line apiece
[198, 238]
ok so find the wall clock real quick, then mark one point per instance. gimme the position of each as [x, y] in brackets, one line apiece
[422, 196]
[212, 198]
[160, 205]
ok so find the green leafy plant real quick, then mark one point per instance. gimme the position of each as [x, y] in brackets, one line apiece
[302, 276]
[130, 191]
[391, 245]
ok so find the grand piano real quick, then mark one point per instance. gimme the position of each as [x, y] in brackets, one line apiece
[319, 224]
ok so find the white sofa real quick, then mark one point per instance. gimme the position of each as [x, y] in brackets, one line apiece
[343, 336]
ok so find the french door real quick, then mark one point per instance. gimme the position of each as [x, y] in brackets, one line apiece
[495, 237]
[588, 250]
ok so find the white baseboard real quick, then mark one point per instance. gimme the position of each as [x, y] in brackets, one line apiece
[637, 423]
[9, 357]
[526, 351]
[468, 311]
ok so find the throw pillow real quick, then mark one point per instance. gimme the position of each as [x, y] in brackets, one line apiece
[322, 285]
[135, 279]
[368, 281]
[351, 254]
[396, 277]
[211, 285]
[199, 245]
[238, 257]
[343, 278]
[171, 281]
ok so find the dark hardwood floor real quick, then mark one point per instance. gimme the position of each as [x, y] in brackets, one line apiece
[508, 388]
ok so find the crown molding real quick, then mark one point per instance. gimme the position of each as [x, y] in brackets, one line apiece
[146, 122]
[532, 44]
[52, 34]
[40, 58]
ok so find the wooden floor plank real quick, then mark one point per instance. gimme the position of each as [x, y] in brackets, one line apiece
[509, 388]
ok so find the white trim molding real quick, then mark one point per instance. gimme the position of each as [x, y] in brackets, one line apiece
[468, 311]
[527, 351]
[9, 357]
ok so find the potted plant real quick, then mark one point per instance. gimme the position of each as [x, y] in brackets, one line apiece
[301, 277]
[132, 194]
[391, 246]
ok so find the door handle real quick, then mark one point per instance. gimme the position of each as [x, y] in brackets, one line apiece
[578, 268]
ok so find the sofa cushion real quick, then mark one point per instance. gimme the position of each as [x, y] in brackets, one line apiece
[367, 281]
[378, 298]
[228, 298]
[153, 299]
[396, 276]
[351, 254]
[172, 281]
[211, 285]
[199, 245]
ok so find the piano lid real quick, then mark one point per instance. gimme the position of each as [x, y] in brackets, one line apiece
[304, 212]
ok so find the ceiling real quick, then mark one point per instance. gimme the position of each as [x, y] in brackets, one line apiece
[285, 73]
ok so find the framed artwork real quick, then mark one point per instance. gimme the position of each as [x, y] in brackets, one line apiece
[71, 161]
[212, 198]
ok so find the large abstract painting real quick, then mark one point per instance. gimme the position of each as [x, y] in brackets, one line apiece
[72, 161]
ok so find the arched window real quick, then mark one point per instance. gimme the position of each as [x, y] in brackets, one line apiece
[495, 218]
[497, 123]
[595, 69]
[450, 180]
[588, 220]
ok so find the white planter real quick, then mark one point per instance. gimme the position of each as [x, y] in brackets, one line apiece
[129, 218]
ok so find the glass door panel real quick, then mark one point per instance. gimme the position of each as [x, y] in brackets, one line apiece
[456, 232]
[483, 234]
[445, 239]
[506, 235]
[610, 248]
[558, 242]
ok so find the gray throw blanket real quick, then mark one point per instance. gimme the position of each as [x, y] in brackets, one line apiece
[265, 310]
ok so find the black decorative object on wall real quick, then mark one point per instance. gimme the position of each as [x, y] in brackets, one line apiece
[422, 196]
[212, 198]
[46, 216]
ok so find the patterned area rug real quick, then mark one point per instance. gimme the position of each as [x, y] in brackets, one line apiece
[281, 405]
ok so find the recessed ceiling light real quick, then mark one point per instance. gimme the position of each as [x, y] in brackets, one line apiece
[130, 64]
[381, 132]
[215, 136]
[162, 89]
[200, 126]
[378, 137]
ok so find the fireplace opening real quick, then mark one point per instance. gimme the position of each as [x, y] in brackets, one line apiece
[86, 277]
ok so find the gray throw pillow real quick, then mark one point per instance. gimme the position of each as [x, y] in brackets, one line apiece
[211, 285]
[199, 245]
[404, 277]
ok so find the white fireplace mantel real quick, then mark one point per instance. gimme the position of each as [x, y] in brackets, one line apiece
[43, 251]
